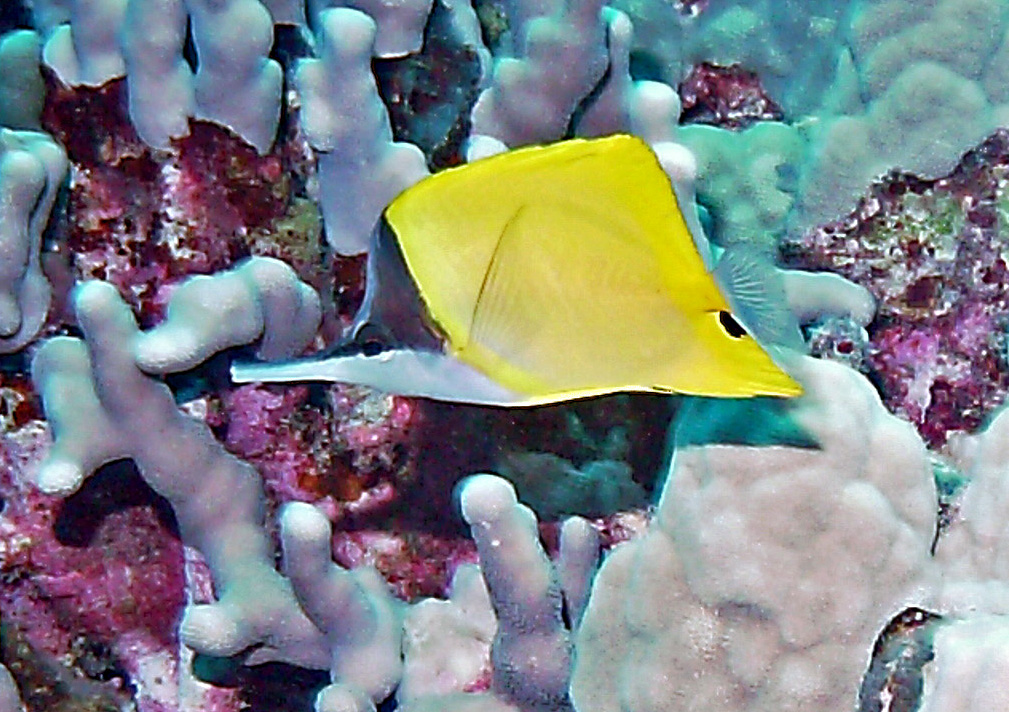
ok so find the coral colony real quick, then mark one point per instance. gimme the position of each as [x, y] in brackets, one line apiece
[188, 182]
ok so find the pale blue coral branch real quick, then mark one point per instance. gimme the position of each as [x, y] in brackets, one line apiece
[286, 12]
[343, 698]
[361, 168]
[22, 90]
[85, 437]
[237, 85]
[158, 78]
[519, 14]
[609, 113]
[10, 698]
[102, 408]
[399, 23]
[49, 14]
[531, 653]
[86, 50]
[577, 563]
[22, 180]
[32, 167]
[260, 300]
[815, 295]
[361, 619]
[648, 109]
[532, 96]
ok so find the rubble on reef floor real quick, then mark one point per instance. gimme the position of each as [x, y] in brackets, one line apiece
[934, 255]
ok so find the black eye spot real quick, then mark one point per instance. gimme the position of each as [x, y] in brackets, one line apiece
[372, 347]
[732, 327]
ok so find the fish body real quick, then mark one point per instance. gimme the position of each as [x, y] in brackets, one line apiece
[547, 274]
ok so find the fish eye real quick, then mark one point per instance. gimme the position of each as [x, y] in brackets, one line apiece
[372, 347]
[732, 327]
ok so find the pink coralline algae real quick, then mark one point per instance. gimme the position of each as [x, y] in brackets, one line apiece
[934, 255]
[415, 564]
[96, 579]
[144, 220]
[346, 451]
[729, 97]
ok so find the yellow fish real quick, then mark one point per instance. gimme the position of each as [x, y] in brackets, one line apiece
[547, 274]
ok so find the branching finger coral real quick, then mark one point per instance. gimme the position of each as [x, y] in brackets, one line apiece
[21, 82]
[236, 83]
[161, 94]
[86, 50]
[32, 166]
[361, 168]
[361, 619]
[104, 408]
[261, 300]
[399, 24]
[532, 98]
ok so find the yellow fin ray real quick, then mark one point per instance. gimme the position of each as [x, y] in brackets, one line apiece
[527, 326]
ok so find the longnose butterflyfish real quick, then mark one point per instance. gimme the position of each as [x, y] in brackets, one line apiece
[547, 274]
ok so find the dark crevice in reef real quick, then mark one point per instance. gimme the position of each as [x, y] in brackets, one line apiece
[113, 488]
[14, 15]
[189, 48]
[48, 685]
[271, 687]
[493, 18]
[457, 440]
[894, 680]
[211, 376]
[430, 94]
[290, 43]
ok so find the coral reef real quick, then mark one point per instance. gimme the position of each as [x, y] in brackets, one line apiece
[361, 168]
[10, 698]
[186, 183]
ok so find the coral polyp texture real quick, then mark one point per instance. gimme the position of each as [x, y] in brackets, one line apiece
[185, 184]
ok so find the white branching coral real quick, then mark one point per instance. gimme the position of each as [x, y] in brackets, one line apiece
[361, 620]
[361, 167]
[32, 167]
[261, 300]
